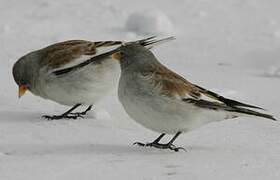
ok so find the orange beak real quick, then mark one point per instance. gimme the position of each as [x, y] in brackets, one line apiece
[21, 90]
[116, 56]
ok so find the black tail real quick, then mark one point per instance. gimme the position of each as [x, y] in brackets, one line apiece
[218, 106]
[147, 42]
[251, 112]
[150, 42]
[229, 102]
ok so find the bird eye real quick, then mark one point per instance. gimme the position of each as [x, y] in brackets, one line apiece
[24, 82]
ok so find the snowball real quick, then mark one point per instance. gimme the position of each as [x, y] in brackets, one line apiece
[147, 23]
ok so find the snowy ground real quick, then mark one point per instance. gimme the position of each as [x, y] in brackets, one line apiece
[231, 47]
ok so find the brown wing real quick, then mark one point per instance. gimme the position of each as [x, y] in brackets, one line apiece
[60, 54]
[173, 84]
[102, 50]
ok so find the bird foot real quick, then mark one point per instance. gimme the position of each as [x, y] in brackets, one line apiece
[80, 114]
[58, 117]
[160, 146]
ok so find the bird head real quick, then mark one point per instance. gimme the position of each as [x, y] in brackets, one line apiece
[134, 55]
[23, 74]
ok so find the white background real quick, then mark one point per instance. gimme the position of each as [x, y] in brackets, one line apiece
[229, 46]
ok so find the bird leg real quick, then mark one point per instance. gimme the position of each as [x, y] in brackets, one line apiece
[67, 114]
[158, 145]
[80, 114]
[150, 144]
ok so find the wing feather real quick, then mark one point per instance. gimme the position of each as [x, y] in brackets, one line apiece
[224, 100]
[67, 54]
[175, 86]
[104, 49]
[60, 54]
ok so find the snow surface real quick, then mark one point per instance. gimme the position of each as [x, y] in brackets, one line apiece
[231, 47]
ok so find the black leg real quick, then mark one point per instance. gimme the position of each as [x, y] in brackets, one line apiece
[159, 138]
[154, 142]
[82, 113]
[64, 115]
[174, 138]
[169, 145]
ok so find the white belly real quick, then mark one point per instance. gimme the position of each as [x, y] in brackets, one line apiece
[85, 86]
[163, 114]
[167, 116]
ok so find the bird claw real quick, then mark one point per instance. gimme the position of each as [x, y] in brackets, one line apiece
[160, 146]
[79, 114]
[139, 144]
[176, 149]
[58, 117]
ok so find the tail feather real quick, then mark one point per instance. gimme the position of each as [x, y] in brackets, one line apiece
[151, 42]
[229, 102]
[251, 112]
[224, 107]
[107, 43]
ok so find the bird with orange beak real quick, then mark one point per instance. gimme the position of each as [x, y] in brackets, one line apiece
[165, 102]
[72, 73]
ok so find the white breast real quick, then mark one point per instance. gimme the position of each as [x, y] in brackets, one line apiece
[86, 85]
[162, 114]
